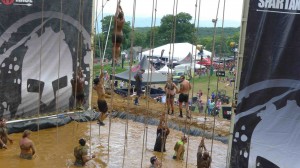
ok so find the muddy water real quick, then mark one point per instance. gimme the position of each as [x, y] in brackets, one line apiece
[55, 147]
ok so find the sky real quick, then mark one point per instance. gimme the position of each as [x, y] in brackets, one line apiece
[143, 12]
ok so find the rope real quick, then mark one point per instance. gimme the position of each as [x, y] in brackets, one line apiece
[58, 76]
[198, 20]
[209, 78]
[113, 79]
[154, 9]
[99, 46]
[128, 93]
[41, 48]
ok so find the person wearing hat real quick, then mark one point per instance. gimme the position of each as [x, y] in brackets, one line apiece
[81, 153]
[179, 148]
[155, 163]
[102, 105]
[203, 158]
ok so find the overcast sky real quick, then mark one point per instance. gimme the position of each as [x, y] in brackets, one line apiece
[208, 10]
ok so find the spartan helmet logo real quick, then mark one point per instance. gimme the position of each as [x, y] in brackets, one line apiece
[272, 135]
[38, 66]
[7, 2]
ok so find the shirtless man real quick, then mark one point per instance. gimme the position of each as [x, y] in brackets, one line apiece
[102, 105]
[26, 146]
[81, 153]
[3, 134]
[184, 90]
[203, 159]
[117, 36]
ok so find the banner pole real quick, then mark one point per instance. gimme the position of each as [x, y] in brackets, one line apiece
[238, 66]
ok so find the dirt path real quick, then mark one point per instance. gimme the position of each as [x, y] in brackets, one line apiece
[155, 109]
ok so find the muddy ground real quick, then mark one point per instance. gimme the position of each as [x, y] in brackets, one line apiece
[151, 108]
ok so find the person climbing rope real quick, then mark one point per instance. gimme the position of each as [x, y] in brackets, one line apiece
[161, 135]
[4, 134]
[77, 83]
[203, 158]
[102, 105]
[117, 36]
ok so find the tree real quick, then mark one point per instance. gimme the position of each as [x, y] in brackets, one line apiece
[184, 29]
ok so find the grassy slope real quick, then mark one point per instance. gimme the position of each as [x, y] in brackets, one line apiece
[197, 83]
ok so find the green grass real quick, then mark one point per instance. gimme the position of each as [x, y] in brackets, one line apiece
[109, 68]
[203, 82]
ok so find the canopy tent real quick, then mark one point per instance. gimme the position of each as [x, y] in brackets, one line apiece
[186, 59]
[181, 50]
[149, 75]
[205, 61]
[165, 70]
[188, 66]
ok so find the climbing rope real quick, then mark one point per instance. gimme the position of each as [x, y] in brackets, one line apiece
[209, 78]
[40, 74]
[113, 78]
[149, 81]
[129, 85]
[197, 8]
[58, 75]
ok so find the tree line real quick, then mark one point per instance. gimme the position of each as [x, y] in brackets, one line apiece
[151, 37]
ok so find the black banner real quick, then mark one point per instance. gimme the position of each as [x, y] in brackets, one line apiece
[42, 43]
[266, 130]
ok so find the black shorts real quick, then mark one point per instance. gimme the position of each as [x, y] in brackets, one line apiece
[118, 38]
[138, 90]
[102, 106]
[183, 97]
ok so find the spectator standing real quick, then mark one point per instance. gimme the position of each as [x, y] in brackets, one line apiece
[138, 85]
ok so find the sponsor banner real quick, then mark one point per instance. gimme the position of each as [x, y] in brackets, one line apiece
[42, 44]
[266, 130]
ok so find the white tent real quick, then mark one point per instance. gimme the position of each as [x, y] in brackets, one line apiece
[188, 66]
[181, 50]
[164, 70]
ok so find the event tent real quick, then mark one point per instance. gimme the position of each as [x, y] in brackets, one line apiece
[181, 50]
[150, 74]
[165, 70]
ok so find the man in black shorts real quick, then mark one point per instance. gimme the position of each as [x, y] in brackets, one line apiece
[102, 105]
[184, 90]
